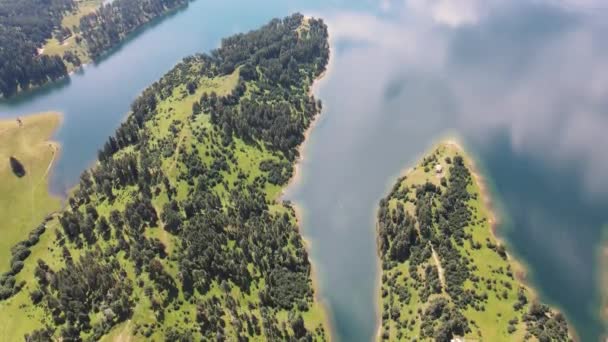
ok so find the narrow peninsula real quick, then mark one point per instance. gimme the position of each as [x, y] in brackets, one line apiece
[178, 232]
[445, 276]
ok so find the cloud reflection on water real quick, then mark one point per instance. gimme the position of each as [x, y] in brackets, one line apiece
[537, 70]
[534, 71]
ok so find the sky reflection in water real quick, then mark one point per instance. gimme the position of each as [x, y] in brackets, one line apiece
[524, 83]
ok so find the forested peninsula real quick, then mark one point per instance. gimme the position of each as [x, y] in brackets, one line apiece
[444, 274]
[42, 41]
[177, 233]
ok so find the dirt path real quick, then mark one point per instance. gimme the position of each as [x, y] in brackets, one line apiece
[439, 267]
[34, 185]
[176, 153]
[164, 235]
[125, 334]
[55, 148]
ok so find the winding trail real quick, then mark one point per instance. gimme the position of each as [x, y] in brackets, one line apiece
[125, 334]
[439, 267]
[55, 148]
[164, 235]
[176, 153]
[34, 184]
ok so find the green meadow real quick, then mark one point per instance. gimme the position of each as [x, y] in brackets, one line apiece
[25, 200]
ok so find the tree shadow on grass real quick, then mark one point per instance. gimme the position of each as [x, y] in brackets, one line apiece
[17, 167]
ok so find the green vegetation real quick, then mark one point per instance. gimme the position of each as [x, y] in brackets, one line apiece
[444, 274]
[24, 26]
[177, 232]
[24, 205]
[113, 22]
[71, 47]
[603, 258]
[42, 41]
[25, 200]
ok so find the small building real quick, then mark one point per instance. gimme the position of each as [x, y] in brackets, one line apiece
[438, 168]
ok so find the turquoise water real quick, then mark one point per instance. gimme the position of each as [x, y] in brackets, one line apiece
[524, 84]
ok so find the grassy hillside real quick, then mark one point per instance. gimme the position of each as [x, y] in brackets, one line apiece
[177, 233]
[444, 274]
[25, 200]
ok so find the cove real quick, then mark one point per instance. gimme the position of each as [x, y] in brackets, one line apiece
[523, 84]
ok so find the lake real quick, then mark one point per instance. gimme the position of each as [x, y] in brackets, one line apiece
[524, 84]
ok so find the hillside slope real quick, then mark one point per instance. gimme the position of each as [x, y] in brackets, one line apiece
[176, 234]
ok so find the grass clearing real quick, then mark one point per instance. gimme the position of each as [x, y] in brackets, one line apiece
[25, 201]
[71, 21]
[24, 204]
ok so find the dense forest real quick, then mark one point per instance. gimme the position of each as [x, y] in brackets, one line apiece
[443, 273]
[111, 24]
[26, 25]
[177, 233]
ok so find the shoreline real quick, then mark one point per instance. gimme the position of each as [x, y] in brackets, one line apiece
[296, 179]
[54, 144]
[378, 297]
[322, 302]
[37, 115]
[78, 69]
[29, 138]
[90, 59]
[296, 176]
[519, 268]
[403, 172]
[603, 283]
